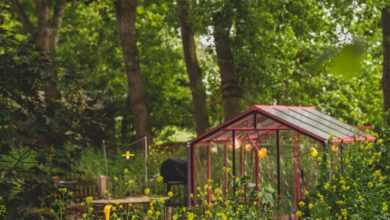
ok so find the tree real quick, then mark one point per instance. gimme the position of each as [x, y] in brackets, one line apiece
[386, 62]
[126, 18]
[44, 33]
[199, 104]
[231, 91]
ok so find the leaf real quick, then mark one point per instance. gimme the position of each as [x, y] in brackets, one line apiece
[348, 61]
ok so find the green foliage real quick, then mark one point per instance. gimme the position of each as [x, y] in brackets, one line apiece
[322, 53]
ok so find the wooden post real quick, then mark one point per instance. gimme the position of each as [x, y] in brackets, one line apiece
[208, 173]
[257, 170]
[296, 171]
[225, 173]
[241, 160]
[102, 186]
[234, 159]
[278, 164]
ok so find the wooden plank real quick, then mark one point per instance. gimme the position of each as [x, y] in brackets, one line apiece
[128, 200]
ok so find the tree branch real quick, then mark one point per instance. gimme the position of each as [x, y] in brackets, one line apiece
[56, 21]
[21, 13]
[58, 14]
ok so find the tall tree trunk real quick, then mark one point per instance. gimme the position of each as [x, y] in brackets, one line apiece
[44, 33]
[126, 16]
[386, 63]
[193, 69]
[231, 91]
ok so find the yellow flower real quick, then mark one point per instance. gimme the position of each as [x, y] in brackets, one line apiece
[310, 206]
[149, 212]
[327, 186]
[222, 215]
[299, 213]
[370, 184]
[190, 216]
[161, 200]
[170, 194]
[130, 182]
[263, 152]
[146, 191]
[218, 191]
[313, 152]
[377, 173]
[301, 204]
[159, 179]
[89, 200]
[344, 212]
[127, 155]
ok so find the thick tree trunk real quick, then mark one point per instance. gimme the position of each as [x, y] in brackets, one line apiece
[193, 69]
[386, 63]
[46, 38]
[126, 16]
[231, 91]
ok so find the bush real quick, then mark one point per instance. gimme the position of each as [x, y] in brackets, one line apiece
[357, 186]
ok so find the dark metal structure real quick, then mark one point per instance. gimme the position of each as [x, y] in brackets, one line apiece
[235, 143]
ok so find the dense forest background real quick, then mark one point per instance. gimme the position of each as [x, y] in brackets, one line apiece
[78, 74]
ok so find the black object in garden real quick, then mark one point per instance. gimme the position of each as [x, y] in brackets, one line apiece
[174, 173]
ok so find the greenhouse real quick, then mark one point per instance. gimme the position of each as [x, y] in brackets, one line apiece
[273, 146]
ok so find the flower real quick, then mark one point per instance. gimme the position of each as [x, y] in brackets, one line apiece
[161, 200]
[313, 152]
[310, 206]
[159, 179]
[222, 215]
[127, 155]
[301, 204]
[327, 186]
[146, 191]
[370, 184]
[344, 212]
[377, 173]
[89, 200]
[263, 152]
[385, 207]
[299, 213]
[170, 194]
[190, 216]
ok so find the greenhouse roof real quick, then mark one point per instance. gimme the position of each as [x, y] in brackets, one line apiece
[307, 120]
